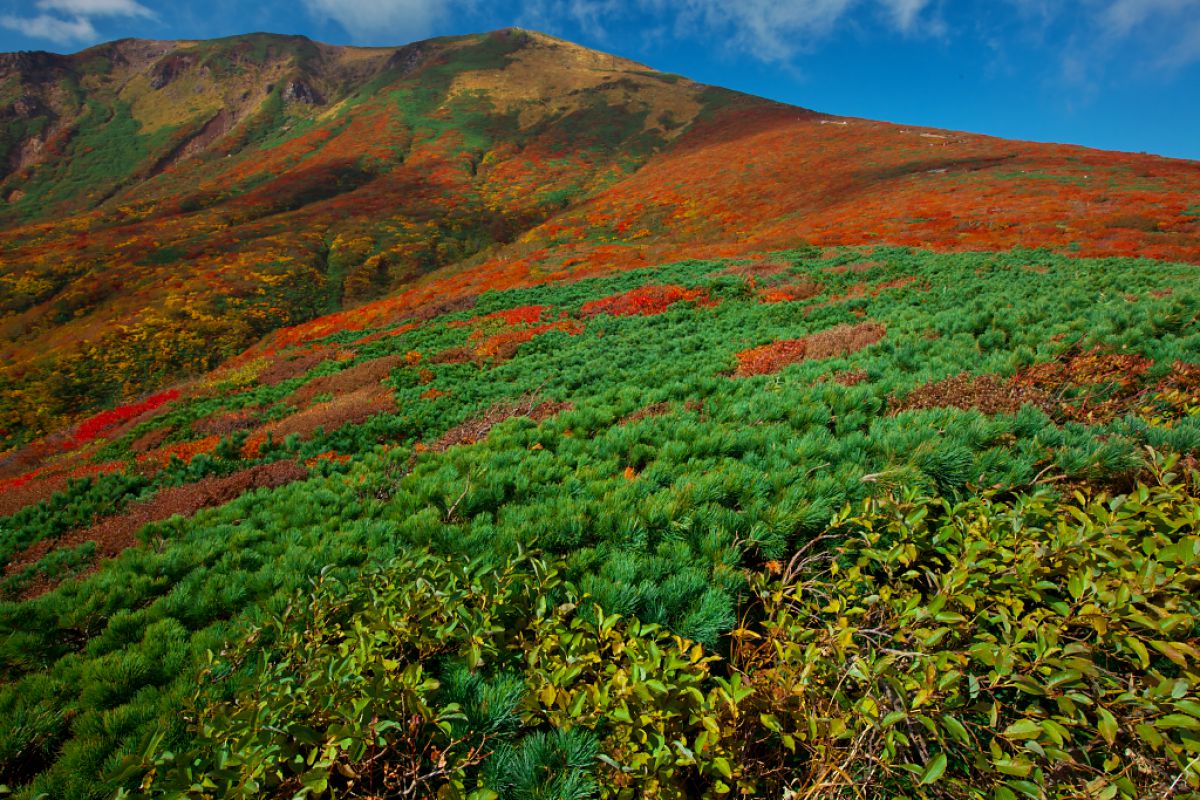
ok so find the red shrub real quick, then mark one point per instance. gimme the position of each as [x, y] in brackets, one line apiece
[791, 292]
[184, 451]
[644, 301]
[503, 346]
[89, 429]
[522, 315]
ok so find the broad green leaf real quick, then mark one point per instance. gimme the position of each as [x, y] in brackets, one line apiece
[934, 769]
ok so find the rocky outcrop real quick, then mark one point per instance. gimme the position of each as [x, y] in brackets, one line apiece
[168, 69]
[31, 66]
[300, 92]
[407, 58]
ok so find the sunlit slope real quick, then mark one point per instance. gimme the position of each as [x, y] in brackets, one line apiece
[171, 203]
[168, 203]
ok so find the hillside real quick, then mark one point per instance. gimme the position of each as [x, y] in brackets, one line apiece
[494, 418]
[170, 203]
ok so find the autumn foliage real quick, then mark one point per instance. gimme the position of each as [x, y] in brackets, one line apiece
[837, 341]
[644, 301]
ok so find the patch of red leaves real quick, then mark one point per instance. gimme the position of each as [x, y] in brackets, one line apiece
[329, 455]
[644, 301]
[791, 292]
[838, 341]
[184, 451]
[93, 427]
[503, 346]
[374, 337]
[522, 315]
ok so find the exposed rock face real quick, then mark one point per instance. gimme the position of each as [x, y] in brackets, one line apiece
[25, 107]
[407, 58]
[300, 92]
[32, 67]
[168, 69]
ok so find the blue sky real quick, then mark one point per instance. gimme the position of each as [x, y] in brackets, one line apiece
[1116, 74]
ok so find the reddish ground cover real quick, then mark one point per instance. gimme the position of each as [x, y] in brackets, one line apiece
[1080, 386]
[837, 341]
[644, 301]
[118, 532]
[474, 430]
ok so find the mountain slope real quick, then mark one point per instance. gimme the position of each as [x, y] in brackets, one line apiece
[661, 442]
[169, 203]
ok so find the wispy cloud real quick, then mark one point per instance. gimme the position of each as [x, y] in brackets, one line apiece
[1095, 36]
[97, 8]
[67, 22]
[387, 21]
[766, 30]
[54, 29]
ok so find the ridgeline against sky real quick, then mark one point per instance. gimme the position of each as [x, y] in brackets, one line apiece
[1116, 74]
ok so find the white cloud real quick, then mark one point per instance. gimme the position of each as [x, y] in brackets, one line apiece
[385, 21]
[55, 29]
[905, 13]
[97, 8]
[70, 21]
[1121, 17]
[769, 30]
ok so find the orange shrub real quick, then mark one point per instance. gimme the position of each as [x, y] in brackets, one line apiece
[838, 341]
[644, 301]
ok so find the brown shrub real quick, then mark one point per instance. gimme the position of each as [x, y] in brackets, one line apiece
[986, 393]
[1091, 387]
[837, 341]
[427, 311]
[348, 409]
[293, 366]
[850, 377]
[454, 355]
[857, 269]
[118, 532]
[351, 379]
[224, 423]
[150, 439]
[653, 410]
[757, 269]
[472, 431]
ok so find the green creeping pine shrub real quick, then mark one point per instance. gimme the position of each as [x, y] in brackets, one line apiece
[996, 648]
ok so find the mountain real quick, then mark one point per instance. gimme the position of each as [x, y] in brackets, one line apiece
[494, 418]
[169, 203]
